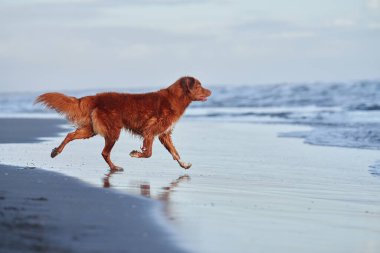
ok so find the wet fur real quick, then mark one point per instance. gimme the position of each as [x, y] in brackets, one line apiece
[147, 115]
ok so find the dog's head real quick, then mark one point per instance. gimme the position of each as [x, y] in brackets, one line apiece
[193, 89]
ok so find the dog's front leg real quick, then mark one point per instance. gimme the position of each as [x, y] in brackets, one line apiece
[166, 140]
[146, 150]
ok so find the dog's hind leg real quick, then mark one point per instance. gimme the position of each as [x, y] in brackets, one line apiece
[108, 125]
[166, 140]
[81, 133]
[146, 148]
[106, 153]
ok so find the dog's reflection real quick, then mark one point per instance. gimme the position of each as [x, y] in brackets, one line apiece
[145, 189]
[164, 195]
[106, 179]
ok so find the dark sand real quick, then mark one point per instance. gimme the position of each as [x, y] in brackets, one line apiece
[43, 211]
[28, 130]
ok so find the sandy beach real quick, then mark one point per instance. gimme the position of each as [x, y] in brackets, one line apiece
[248, 190]
[45, 211]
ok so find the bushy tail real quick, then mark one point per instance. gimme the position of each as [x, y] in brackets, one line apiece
[68, 106]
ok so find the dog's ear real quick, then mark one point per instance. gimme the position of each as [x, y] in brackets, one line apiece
[187, 83]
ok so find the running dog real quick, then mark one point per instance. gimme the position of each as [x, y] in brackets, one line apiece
[147, 115]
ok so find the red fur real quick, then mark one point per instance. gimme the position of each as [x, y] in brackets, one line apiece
[147, 115]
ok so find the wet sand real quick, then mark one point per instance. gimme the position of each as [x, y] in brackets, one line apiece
[248, 189]
[27, 130]
[44, 211]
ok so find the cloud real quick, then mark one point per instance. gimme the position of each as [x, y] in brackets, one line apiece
[276, 29]
[373, 4]
[294, 34]
[345, 23]
[102, 3]
[265, 24]
[374, 26]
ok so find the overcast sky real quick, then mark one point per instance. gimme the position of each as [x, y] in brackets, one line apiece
[70, 44]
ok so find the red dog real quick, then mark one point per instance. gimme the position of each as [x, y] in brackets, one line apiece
[147, 115]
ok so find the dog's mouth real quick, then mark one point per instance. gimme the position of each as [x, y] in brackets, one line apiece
[202, 98]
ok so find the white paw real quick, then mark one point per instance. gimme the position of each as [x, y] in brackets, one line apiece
[184, 164]
[116, 168]
[135, 153]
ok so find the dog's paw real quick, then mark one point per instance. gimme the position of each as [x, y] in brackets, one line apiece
[135, 153]
[54, 152]
[116, 168]
[184, 165]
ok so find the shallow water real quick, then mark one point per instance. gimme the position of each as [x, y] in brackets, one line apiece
[248, 189]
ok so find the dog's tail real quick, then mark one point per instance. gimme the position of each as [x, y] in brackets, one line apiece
[68, 106]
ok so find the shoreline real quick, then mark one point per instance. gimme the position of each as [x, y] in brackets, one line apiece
[45, 211]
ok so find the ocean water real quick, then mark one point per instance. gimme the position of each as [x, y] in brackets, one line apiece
[340, 114]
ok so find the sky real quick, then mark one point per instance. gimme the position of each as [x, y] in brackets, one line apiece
[84, 44]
